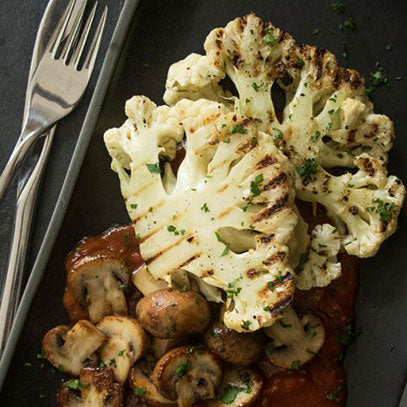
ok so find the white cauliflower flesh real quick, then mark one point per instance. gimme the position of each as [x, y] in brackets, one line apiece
[326, 114]
[364, 205]
[226, 216]
[321, 266]
[326, 118]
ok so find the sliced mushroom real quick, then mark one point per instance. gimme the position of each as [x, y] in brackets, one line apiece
[241, 387]
[236, 348]
[145, 282]
[127, 342]
[170, 313]
[71, 349]
[188, 374]
[141, 385]
[96, 388]
[159, 346]
[295, 341]
[98, 282]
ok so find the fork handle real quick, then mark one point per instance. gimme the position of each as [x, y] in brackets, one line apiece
[24, 144]
[26, 198]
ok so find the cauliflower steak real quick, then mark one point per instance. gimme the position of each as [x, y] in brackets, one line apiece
[326, 119]
[226, 216]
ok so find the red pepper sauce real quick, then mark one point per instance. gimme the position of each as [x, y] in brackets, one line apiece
[118, 241]
[322, 381]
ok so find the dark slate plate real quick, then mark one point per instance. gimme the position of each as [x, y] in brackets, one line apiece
[162, 33]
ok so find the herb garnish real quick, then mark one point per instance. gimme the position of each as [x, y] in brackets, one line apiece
[307, 169]
[154, 168]
[238, 129]
[182, 369]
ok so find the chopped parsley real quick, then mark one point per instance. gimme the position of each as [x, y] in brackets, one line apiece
[121, 353]
[182, 290]
[154, 168]
[307, 169]
[227, 245]
[270, 286]
[254, 189]
[182, 370]
[229, 394]
[332, 395]
[278, 134]
[254, 142]
[349, 23]
[205, 208]
[75, 383]
[139, 390]
[269, 38]
[338, 6]
[376, 79]
[349, 335]
[255, 86]
[382, 208]
[133, 206]
[315, 137]
[173, 229]
[238, 129]
[246, 324]
[227, 140]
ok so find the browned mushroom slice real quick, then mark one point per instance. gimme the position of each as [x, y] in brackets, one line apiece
[188, 374]
[94, 388]
[71, 349]
[241, 387]
[126, 343]
[98, 282]
[236, 348]
[170, 313]
[295, 341]
[142, 386]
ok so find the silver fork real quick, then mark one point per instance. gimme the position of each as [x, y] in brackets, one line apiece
[57, 84]
[28, 185]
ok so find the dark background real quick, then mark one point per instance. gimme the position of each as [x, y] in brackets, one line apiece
[164, 32]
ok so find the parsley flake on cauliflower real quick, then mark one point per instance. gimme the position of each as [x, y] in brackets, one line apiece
[321, 266]
[228, 214]
[326, 121]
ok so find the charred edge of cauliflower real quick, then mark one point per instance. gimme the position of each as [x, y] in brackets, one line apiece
[327, 115]
[365, 205]
[321, 266]
[226, 217]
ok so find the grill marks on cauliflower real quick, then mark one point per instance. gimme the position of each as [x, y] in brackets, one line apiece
[228, 215]
[327, 119]
[365, 205]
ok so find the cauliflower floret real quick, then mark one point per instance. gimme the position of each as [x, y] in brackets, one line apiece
[326, 116]
[229, 214]
[195, 77]
[365, 205]
[321, 266]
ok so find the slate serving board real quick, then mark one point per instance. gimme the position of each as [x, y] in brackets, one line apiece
[163, 32]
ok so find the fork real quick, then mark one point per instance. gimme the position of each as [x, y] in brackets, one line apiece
[28, 186]
[58, 83]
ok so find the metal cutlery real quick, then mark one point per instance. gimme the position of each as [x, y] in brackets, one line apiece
[29, 183]
[57, 84]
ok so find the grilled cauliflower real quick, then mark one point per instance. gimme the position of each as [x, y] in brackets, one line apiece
[321, 266]
[326, 121]
[226, 217]
[364, 205]
[326, 114]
